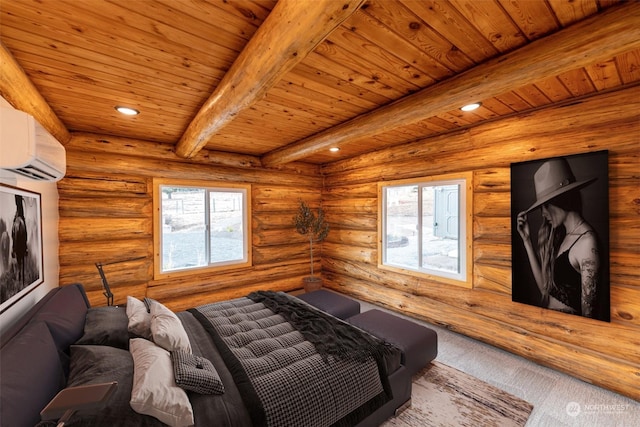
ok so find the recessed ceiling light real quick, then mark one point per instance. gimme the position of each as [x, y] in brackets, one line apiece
[334, 149]
[127, 111]
[471, 107]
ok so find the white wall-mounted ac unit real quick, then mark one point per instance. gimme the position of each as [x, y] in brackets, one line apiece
[27, 149]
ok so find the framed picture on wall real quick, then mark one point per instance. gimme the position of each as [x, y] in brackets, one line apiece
[560, 234]
[21, 268]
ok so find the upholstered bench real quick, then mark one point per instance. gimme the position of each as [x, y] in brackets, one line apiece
[419, 344]
[333, 303]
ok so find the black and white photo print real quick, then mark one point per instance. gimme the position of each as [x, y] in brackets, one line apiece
[560, 234]
[20, 244]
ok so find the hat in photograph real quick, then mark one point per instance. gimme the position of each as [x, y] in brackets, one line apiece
[553, 178]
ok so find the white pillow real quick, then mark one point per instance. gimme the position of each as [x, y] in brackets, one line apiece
[154, 389]
[139, 317]
[167, 330]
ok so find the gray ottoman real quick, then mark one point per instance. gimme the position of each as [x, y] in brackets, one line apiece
[332, 303]
[419, 344]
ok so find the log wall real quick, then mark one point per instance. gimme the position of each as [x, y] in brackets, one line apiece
[106, 216]
[606, 354]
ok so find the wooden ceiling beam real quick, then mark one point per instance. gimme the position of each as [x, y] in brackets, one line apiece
[289, 33]
[20, 92]
[600, 37]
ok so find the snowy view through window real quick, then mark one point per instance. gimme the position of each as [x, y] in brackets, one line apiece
[431, 231]
[202, 227]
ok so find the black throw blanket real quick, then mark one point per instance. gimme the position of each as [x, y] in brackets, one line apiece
[329, 335]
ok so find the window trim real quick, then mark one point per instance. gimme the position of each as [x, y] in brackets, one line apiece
[466, 241]
[157, 227]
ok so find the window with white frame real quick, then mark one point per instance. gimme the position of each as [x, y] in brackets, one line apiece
[426, 227]
[201, 226]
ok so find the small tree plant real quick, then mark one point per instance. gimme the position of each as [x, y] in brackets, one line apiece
[311, 225]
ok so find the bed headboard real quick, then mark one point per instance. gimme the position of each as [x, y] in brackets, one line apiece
[34, 354]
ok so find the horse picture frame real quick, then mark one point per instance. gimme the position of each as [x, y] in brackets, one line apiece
[21, 248]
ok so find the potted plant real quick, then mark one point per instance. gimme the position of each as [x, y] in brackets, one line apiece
[316, 229]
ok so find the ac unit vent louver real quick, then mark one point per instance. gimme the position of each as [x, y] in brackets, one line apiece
[33, 172]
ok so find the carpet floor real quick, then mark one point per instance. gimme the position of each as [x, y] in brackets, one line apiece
[445, 397]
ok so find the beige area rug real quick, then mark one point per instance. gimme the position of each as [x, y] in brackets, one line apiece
[443, 396]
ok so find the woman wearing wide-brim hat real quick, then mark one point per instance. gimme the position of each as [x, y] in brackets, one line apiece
[566, 269]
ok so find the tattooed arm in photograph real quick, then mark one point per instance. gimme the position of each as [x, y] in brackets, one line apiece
[587, 257]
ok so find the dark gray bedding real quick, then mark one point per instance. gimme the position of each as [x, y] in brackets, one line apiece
[323, 389]
[226, 409]
[283, 378]
[92, 364]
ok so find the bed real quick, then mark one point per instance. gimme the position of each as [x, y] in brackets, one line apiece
[265, 359]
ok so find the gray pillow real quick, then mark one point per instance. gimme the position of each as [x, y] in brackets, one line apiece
[154, 391]
[106, 326]
[167, 330]
[195, 373]
[93, 364]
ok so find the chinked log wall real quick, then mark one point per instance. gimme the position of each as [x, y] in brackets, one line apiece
[607, 354]
[106, 216]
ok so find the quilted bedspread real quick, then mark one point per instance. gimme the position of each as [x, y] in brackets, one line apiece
[273, 345]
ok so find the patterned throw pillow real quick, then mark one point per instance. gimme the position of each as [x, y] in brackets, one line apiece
[196, 373]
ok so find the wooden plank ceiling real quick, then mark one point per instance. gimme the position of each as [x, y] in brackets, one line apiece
[383, 59]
